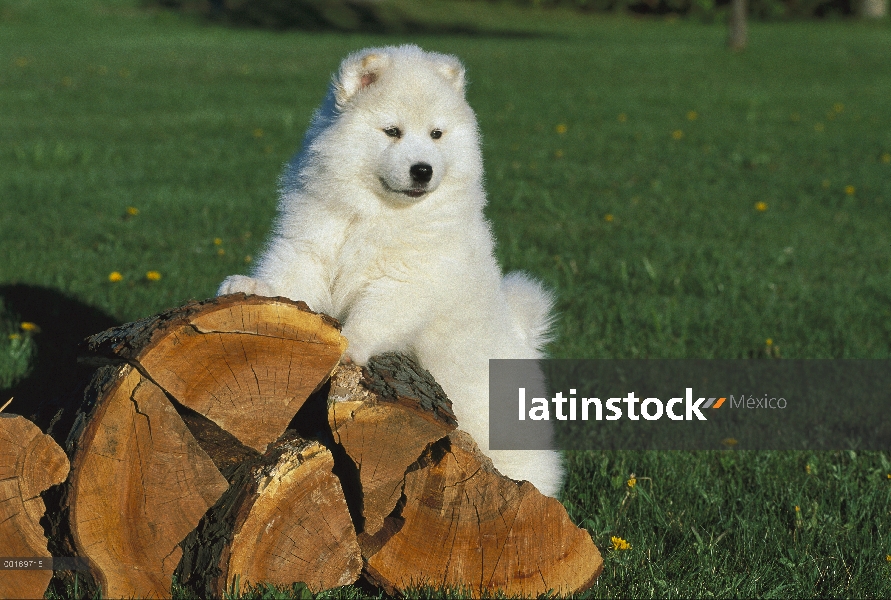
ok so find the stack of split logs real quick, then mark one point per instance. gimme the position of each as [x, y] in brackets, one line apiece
[223, 443]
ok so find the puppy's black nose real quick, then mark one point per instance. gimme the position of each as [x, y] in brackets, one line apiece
[421, 172]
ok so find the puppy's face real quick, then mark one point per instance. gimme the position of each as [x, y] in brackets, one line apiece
[411, 159]
[410, 124]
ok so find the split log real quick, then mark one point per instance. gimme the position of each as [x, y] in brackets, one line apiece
[384, 417]
[236, 369]
[139, 484]
[283, 520]
[436, 511]
[30, 463]
[232, 356]
[464, 525]
[185, 463]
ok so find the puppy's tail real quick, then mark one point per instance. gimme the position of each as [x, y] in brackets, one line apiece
[530, 305]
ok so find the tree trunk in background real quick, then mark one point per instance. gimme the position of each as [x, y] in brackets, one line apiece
[738, 35]
[873, 9]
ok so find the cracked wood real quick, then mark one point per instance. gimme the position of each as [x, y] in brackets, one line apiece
[384, 417]
[247, 363]
[284, 519]
[139, 484]
[30, 463]
[465, 525]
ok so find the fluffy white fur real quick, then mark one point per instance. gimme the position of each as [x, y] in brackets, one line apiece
[406, 265]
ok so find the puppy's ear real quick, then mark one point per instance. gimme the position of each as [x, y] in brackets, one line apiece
[450, 68]
[357, 71]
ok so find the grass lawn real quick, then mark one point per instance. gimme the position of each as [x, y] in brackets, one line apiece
[683, 202]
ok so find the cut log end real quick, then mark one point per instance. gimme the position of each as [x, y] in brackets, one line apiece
[384, 416]
[229, 356]
[139, 484]
[30, 463]
[463, 525]
[182, 464]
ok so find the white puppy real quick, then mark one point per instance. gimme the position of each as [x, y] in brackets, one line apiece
[381, 225]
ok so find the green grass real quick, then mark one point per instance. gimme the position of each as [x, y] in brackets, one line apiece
[105, 105]
[17, 349]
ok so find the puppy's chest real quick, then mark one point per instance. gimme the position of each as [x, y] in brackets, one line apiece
[371, 254]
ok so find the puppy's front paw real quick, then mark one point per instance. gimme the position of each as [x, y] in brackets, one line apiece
[356, 352]
[247, 285]
[357, 357]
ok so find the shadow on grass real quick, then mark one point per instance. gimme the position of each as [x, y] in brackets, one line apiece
[55, 374]
[339, 16]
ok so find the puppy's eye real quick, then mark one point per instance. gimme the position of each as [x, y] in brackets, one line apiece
[393, 132]
[436, 134]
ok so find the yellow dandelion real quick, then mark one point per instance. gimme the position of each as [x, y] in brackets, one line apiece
[795, 117]
[632, 482]
[838, 107]
[22, 61]
[886, 158]
[124, 73]
[850, 189]
[729, 442]
[769, 342]
[558, 154]
[692, 115]
[825, 183]
[153, 276]
[619, 544]
[807, 469]
[132, 211]
[217, 242]
[608, 218]
[561, 128]
[888, 558]
[761, 206]
[29, 326]
[888, 476]
[819, 127]
[248, 258]
[14, 336]
[115, 277]
[622, 117]
[797, 508]
[67, 81]
[220, 252]
[677, 134]
[258, 133]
